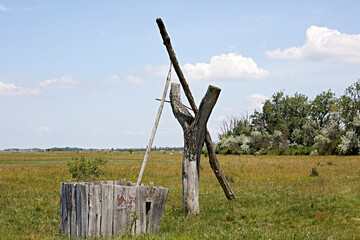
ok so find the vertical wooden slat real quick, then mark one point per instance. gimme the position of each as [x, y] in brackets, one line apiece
[131, 184]
[157, 208]
[107, 202]
[140, 208]
[123, 181]
[73, 227]
[124, 208]
[68, 209]
[62, 208]
[82, 209]
[107, 182]
[94, 210]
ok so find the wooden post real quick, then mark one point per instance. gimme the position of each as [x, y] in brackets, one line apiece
[212, 157]
[194, 134]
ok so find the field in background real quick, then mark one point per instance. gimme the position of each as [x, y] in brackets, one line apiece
[276, 197]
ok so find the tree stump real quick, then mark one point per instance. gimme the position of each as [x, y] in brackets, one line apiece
[194, 135]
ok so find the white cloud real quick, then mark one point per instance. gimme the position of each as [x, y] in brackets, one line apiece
[3, 8]
[60, 82]
[9, 89]
[323, 43]
[225, 66]
[256, 101]
[44, 129]
[112, 79]
[231, 66]
[134, 80]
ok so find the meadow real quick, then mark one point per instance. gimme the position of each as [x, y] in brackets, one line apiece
[276, 196]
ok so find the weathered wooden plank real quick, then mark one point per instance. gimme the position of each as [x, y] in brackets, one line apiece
[107, 182]
[107, 202]
[62, 208]
[82, 209]
[140, 208]
[123, 182]
[73, 227]
[68, 208]
[124, 208]
[131, 184]
[94, 210]
[156, 209]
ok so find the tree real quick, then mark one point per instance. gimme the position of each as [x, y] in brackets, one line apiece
[350, 104]
[321, 108]
[236, 126]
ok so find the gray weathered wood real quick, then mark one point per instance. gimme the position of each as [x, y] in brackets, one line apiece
[123, 182]
[194, 134]
[209, 144]
[157, 120]
[124, 208]
[157, 209]
[68, 209]
[91, 210]
[73, 227]
[107, 182]
[94, 210]
[131, 184]
[107, 202]
[62, 208]
[140, 208]
[82, 209]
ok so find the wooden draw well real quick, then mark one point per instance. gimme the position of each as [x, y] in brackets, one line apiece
[109, 208]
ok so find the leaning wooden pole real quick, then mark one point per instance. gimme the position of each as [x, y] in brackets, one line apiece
[154, 128]
[212, 156]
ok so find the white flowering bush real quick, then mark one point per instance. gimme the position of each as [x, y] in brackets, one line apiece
[350, 144]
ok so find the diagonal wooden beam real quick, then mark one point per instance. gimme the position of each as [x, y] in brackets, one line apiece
[212, 156]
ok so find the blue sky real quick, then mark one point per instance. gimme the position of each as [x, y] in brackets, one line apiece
[86, 73]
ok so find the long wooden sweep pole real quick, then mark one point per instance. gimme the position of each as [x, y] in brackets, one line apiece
[212, 156]
[154, 129]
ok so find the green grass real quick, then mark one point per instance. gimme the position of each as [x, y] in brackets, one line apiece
[276, 196]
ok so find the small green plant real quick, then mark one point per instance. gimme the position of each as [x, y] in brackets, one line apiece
[314, 172]
[86, 170]
[130, 150]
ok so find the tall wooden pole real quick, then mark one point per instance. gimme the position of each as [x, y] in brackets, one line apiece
[212, 156]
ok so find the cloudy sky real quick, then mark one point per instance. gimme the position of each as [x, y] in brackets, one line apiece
[86, 73]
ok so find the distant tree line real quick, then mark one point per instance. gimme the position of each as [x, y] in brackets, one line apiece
[295, 125]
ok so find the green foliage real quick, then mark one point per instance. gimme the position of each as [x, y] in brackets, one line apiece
[294, 125]
[130, 150]
[350, 104]
[86, 170]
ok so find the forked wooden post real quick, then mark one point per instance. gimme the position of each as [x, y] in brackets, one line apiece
[209, 144]
[194, 134]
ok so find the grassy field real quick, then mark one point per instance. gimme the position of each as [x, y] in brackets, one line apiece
[276, 197]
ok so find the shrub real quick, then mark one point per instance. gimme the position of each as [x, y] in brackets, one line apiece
[350, 144]
[86, 170]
